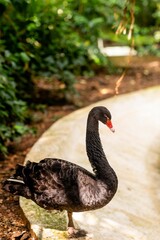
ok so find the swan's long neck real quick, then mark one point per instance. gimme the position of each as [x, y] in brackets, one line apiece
[96, 155]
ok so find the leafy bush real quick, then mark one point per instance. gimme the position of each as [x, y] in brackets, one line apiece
[46, 38]
[43, 38]
[58, 39]
[12, 112]
[146, 32]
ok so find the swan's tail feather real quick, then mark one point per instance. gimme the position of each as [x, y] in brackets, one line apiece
[16, 184]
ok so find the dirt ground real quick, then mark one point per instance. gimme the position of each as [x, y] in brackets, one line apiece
[139, 75]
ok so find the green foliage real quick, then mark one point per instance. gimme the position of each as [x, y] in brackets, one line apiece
[43, 38]
[58, 39]
[146, 32]
[12, 112]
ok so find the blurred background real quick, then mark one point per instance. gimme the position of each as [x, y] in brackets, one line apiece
[50, 44]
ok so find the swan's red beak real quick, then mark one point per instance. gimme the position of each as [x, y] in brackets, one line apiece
[109, 124]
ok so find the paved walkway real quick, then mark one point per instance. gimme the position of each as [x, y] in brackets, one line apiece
[133, 151]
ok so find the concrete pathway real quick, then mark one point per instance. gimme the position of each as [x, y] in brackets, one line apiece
[133, 151]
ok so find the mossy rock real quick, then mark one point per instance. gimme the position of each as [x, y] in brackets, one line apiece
[47, 225]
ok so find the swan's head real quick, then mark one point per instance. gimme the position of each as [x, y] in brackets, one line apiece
[103, 114]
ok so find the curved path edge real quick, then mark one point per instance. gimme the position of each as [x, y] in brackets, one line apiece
[134, 153]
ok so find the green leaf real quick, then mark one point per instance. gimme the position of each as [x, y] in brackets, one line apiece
[25, 58]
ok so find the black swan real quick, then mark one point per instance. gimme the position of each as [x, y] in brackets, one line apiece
[57, 184]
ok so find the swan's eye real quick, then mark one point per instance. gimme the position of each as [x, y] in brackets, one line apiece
[106, 117]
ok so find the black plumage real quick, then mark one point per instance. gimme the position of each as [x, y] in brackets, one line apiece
[61, 185]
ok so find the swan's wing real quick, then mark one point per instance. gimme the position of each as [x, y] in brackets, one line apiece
[55, 182]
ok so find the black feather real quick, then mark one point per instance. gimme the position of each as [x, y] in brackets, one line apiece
[59, 184]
